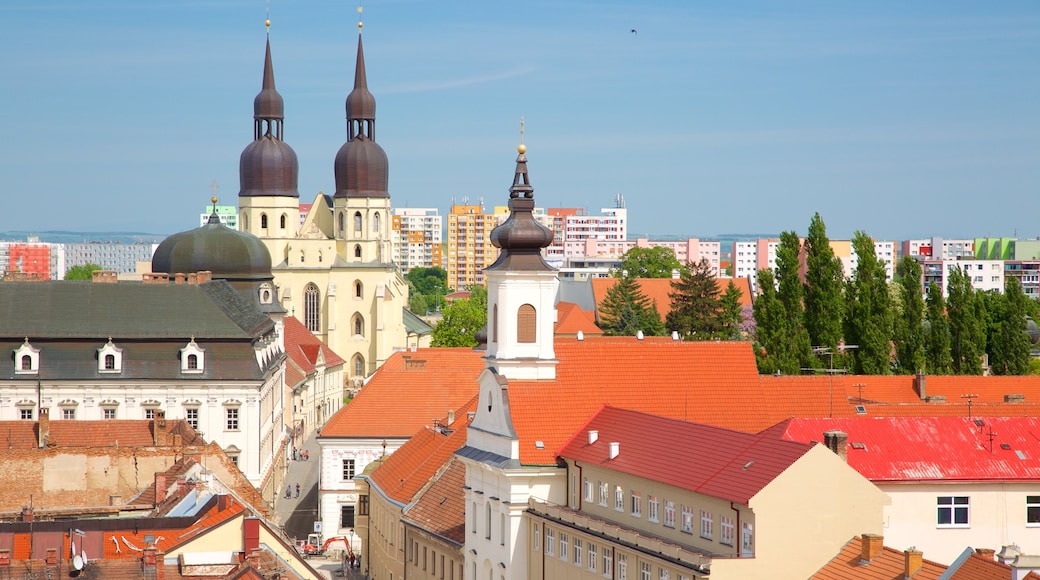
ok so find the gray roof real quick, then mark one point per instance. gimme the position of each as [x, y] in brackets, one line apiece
[127, 310]
[576, 292]
[415, 325]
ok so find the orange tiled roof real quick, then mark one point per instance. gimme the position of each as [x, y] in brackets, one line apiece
[984, 567]
[79, 433]
[412, 466]
[442, 508]
[887, 565]
[430, 380]
[570, 319]
[658, 289]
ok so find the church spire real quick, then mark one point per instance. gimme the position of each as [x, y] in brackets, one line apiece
[520, 237]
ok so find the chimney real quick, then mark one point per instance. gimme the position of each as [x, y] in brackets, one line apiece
[581, 336]
[44, 426]
[912, 562]
[837, 441]
[451, 417]
[222, 502]
[150, 561]
[675, 274]
[871, 546]
[159, 428]
[104, 276]
[919, 386]
[615, 448]
[675, 335]
[1015, 398]
[160, 488]
[27, 514]
[987, 553]
[639, 335]
[204, 276]
[250, 535]
[52, 556]
[593, 436]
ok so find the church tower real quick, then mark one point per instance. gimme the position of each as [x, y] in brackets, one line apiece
[268, 171]
[521, 288]
[361, 205]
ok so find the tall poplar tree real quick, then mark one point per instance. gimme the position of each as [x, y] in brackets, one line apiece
[1010, 348]
[868, 315]
[625, 310]
[790, 293]
[696, 311]
[824, 278]
[730, 310]
[773, 346]
[909, 329]
[967, 330]
[937, 340]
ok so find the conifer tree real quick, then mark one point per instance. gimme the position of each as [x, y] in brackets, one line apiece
[626, 310]
[1010, 349]
[868, 320]
[937, 340]
[967, 330]
[909, 330]
[730, 310]
[696, 310]
[824, 303]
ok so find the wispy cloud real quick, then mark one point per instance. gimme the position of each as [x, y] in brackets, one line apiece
[440, 85]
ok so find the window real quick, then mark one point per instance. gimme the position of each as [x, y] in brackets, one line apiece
[191, 415]
[644, 571]
[622, 567]
[487, 521]
[574, 491]
[747, 543]
[608, 563]
[310, 308]
[281, 221]
[231, 416]
[563, 546]
[662, 574]
[593, 559]
[357, 222]
[346, 516]
[603, 487]
[526, 324]
[375, 222]
[362, 506]
[473, 529]
[577, 551]
[357, 251]
[234, 458]
[26, 362]
[109, 413]
[502, 529]
[550, 541]
[1032, 509]
[25, 414]
[588, 489]
[707, 525]
[110, 362]
[357, 289]
[341, 223]
[149, 413]
[652, 506]
[619, 498]
[637, 504]
[359, 365]
[726, 525]
[348, 469]
[193, 361]
[953, 511]
[359, 325]
[263, 221]
[68, 413]
[669, 513]
[536, 538]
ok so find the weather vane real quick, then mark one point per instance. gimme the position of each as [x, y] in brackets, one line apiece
[267, 20]
[359, 23]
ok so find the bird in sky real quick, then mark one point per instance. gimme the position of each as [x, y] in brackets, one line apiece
[634, 31]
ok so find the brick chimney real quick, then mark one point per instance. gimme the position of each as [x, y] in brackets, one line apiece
[52, 556]
[44, 426]
[919, 386]
[204, 276]
[153, 563]
[160, 488]
[987, 553]
[837, 441]
[871, 546]
[27, 514]
[913, 559]
[159, 428]
[178, 278]
[104, 276]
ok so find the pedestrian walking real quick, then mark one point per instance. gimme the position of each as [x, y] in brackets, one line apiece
[294, 454]
[297, 490]
[288, 492]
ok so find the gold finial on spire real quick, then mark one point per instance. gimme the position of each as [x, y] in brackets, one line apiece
[359, 23]
[521, 148]
[267, 22]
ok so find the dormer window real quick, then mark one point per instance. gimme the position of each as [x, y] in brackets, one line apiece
[266, 293]
[193, 358]
[26, 359]
[110, 358]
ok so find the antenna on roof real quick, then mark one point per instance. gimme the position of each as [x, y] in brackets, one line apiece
[969, 397]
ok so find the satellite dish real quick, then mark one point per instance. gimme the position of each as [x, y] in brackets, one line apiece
[83, 555]
[77, 562]
[73, 547]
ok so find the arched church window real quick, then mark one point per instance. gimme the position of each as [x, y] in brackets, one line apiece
[526, 324]
[358, 289]
[311, 304]
[357, 222]
[263, 221]
[341, 224]
[494, 323]
[357, 251]
[375, 222]
[282, 221]
[359, 365]
[358, 324]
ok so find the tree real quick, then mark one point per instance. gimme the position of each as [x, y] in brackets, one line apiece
[1010, 349]
[82, 272]
[790, 293]
[774, 349]
[731, 312]
[657, 262]
[461, 320]
[625, 310]
[824, 278]
[426, 288]
[868, 314]
[937, 339]
[967, 329]
[909, 329]
[696, 310]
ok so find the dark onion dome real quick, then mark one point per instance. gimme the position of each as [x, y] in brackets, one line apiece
[361, 166]
[268, 166]
[229, 254]
[1033, 331]
[481, 338]
[520, 237]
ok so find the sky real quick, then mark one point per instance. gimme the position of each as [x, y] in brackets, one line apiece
[901, 119]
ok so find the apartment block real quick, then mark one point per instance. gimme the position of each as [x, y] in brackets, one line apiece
[416, 238]
[228, 215]
[122, 258]
[469, 244]
[938, 248]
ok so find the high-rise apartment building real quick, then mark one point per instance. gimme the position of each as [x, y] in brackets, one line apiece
[122, 258]
[416, 238]
[938, 248]
[227, 214]
[469, 245]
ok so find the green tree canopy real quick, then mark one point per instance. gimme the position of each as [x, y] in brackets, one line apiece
[82, 272]
[824, 303]
[696, 311]
[461, 320]
[791, 292]
[774, 346]
[625, 310]
[426, 289]
[967, 328]
[868, 320]
[937, 339]
[1010, 350]
[909, 324]
[731, 312]
[658, 262]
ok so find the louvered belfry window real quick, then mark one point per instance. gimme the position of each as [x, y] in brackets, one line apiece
[526, 324]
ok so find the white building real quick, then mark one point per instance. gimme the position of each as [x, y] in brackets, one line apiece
[416, 238]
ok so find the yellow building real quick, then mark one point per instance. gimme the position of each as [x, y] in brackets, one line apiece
[469, 245]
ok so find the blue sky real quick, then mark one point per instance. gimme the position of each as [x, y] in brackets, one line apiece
[903, 119]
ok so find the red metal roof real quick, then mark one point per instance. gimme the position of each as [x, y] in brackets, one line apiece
[721, 463]
[932, 448]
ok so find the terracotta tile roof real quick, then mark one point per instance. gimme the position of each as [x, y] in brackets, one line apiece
[570, 318]
[658, 290]
[908, 448]
[889, 564]
[412, 466]
[984, 567]
[302, 347]
[73, 434]
[441, 509]
[704, 382]
[408, 392]
[722, 463]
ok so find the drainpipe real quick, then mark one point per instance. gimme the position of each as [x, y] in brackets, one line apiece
[736, 531]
